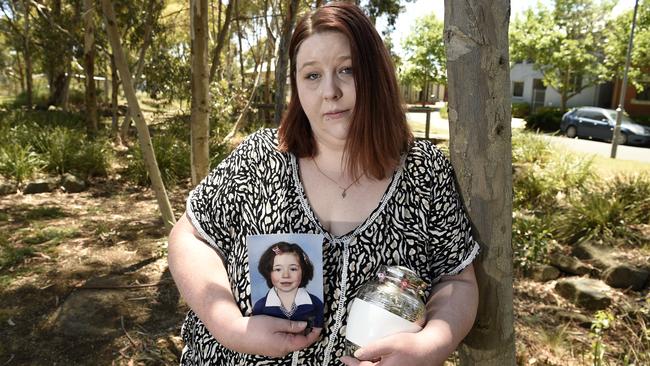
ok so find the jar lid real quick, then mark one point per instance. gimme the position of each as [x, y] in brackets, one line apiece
[403, 275]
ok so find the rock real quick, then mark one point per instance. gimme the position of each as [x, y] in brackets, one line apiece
[6, 188]
[568, 264]
[585, 292]
[597, 256]
[626, 276]
[72, 184]
[39, 186]
[543, 273]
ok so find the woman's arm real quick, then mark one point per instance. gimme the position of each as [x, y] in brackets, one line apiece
[201, 278]
[451, 311]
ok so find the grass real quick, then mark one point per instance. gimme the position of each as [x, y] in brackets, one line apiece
[44, 213]
[51, 235]
[607, 167]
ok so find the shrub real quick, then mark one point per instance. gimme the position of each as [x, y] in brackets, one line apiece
[444, 111]
[530, 148]
[172, 156]
[18, 162]
[520, 110]
[532, 239]
[544, 119]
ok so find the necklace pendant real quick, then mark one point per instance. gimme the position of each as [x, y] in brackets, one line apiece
[343, 194]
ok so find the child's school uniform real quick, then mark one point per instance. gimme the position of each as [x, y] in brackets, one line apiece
[308, 307]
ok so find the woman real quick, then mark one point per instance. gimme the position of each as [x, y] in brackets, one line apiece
[343, 164]
[287, 270]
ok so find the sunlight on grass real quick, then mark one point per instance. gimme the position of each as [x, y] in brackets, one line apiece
[607, 167]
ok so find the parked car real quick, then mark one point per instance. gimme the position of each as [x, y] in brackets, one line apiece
[598, 123]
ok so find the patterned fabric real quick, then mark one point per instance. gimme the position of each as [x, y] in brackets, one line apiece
[419, 223]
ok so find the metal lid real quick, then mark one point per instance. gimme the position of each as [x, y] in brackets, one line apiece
[406, 277]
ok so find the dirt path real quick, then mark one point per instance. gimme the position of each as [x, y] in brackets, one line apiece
[89, 283]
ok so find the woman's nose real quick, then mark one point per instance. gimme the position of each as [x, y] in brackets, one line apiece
[331, 89]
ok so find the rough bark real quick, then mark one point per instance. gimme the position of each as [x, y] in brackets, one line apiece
[283, 60]
[221, 40]
[115, 86]
[143, 130]
[200, 124]
[89, 66]
[476, 39]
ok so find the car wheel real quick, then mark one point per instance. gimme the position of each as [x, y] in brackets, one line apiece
[621, 139]
[571, 132]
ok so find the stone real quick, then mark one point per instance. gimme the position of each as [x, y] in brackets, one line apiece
[584, 292]
[568, 264]
[626, 276]
[543, 272]
[72, 184]
[6, 188]
[39, 186]
[595, 255]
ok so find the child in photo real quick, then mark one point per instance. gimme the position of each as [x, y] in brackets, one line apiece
[287, 270]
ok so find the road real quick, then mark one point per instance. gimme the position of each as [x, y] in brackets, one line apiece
[600, 148]
[440, 129]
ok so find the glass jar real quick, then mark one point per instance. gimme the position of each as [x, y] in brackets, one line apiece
[392, 303]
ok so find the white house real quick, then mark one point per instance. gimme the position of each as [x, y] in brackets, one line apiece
[527, 87]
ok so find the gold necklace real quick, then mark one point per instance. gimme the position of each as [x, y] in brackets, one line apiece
[344, 190]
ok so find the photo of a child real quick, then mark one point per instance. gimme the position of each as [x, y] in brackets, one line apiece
[287, 271]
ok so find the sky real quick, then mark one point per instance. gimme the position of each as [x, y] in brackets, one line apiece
[422, 7]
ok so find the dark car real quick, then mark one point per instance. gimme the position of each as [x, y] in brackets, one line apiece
[598, 123]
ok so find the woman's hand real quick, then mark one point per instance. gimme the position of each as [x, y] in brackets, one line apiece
[451, 310]
[270, 336]
[400, 349]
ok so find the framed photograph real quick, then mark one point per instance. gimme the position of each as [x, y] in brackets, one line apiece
[286, 273]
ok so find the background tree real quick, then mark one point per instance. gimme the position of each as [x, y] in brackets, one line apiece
[425, 54]
[476, 36]
[200, 125]
[89, 65]
[282, 64]
[565, 44]
[617, 35]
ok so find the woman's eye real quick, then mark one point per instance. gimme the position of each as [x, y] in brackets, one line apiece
[346, 70]
[311, 76]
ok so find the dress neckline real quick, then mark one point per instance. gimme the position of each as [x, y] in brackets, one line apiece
[311, 214]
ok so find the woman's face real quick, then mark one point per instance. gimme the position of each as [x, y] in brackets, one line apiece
[286, 274]
[326, 85]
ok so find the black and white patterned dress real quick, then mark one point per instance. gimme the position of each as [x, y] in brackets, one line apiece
[419, 223]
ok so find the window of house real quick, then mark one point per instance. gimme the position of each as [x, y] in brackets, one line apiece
[575, 83]
[518, 89]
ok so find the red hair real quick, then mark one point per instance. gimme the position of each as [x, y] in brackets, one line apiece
[378, 132]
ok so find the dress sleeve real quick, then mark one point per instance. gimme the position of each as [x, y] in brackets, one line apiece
[213, 206]
[452, 245]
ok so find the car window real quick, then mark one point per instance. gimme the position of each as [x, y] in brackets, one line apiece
[592, 115]
[624, 118]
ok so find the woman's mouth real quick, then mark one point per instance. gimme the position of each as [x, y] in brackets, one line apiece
[336, 114]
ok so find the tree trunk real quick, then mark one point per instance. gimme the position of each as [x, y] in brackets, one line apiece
[200, 124]
[137, 74]
[283, 60]
[476, 39]
[28, 57]
[143, 131]
[89, 66]
[221, 40]
[115, 88]
[65, 96]
[241, 49]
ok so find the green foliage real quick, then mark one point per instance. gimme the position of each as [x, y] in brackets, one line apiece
[52, 235]
[532, 239]
[520, 110]
[528, 148]
[18, 162]
[172, 156]
[546, 119]
[603, 320]
[617, 35]
[425, 53]
[444, 112]
[44, 213]
[564, 42]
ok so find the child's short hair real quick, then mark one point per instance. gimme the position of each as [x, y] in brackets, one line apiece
[265, 265]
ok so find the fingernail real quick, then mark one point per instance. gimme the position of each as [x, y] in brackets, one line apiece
[302, 324]
[357, 353]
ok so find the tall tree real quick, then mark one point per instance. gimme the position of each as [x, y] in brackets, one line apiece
[89, 65]
[425, 49]
[617, 34]
[476, 36]
[282, 64]
[27, 53]
[564, 42]
[200, 125]
[143, 130]
[221, 40]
